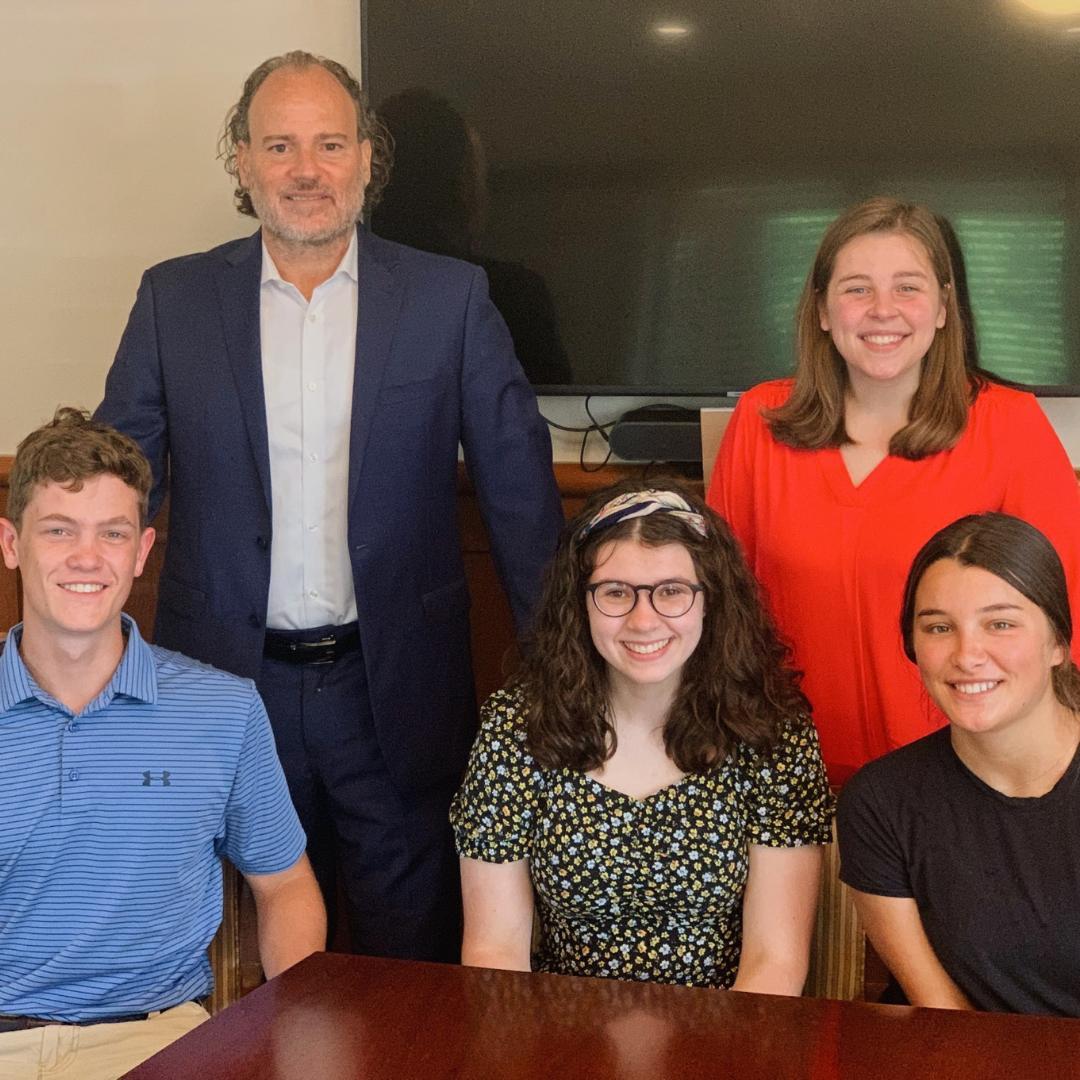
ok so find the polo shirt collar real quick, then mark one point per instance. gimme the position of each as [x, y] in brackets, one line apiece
[135, 675]
[15, 682]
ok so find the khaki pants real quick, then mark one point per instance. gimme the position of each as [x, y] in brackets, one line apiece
[94, 1052]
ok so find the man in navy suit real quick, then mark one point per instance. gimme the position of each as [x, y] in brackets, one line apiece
[302, 395]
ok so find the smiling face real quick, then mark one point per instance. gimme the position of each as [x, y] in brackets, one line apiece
[644, 648]
[882, 307]
[985, 652]
[304, 167]
[78, 553]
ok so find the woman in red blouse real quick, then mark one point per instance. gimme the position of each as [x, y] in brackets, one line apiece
[833, 480]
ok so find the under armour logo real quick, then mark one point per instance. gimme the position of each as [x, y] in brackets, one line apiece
[148, 778]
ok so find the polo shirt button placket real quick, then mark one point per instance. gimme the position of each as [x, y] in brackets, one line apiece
[71, 728]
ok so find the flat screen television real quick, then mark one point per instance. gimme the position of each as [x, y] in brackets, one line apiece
[646, 185]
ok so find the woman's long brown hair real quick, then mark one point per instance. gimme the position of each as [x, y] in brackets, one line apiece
[813, 417]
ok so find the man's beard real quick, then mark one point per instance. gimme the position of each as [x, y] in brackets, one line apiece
[297, 231]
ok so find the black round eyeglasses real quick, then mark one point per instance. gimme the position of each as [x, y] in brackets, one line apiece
[668, 598]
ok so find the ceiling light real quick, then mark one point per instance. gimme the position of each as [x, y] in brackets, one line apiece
[670, 31]
[1052, 7]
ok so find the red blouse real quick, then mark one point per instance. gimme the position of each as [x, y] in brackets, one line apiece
[832, 557]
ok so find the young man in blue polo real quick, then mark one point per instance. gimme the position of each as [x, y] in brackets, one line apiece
[125, 772]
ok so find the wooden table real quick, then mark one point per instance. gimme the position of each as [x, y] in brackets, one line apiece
[336, 1017]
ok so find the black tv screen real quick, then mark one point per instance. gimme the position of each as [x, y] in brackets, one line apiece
[646, 186]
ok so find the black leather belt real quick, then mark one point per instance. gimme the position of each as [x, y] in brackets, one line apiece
[21, 1023]
[298, 647]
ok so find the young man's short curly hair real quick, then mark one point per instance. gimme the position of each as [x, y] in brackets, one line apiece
[736, 687]
[69, 450]
[237, 128]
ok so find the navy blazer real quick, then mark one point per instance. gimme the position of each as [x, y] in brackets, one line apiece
[434, 367]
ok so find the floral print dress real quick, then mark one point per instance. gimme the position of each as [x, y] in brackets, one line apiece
[637, 888]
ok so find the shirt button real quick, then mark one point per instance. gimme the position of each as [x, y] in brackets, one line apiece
[312, 385]
[314, 594]
[313, 317]
[314, 456]
[73, 774]
[73, 726]
[312, 528]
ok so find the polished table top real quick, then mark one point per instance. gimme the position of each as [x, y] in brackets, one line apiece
[335, 1017]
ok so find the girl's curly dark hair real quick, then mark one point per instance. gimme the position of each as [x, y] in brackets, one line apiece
[736, 687]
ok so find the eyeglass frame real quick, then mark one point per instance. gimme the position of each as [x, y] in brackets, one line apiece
[694, 588]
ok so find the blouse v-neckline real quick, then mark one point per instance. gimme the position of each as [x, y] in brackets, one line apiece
[869, 490]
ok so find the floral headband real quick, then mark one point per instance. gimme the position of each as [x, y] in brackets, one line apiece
[634, 504]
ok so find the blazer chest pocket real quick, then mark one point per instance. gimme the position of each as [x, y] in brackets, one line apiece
[447, 600]
[409, 391]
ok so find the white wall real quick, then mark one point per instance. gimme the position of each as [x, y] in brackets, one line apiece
[1064, 414]
[109, 116]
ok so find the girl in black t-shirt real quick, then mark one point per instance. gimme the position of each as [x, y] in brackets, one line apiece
[961, 847]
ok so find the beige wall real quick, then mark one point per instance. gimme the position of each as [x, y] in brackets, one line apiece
[109, 115]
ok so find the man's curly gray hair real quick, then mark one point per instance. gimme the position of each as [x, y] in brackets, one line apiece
[237, 129]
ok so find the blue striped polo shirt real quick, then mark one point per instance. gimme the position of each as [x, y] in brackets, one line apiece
[111, 825]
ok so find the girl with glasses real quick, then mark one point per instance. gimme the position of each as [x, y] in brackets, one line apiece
[651, 785]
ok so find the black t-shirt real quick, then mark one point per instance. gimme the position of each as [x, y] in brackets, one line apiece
[996, 878]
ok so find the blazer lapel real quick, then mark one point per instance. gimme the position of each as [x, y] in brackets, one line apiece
[238, 292]
[381, 291]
